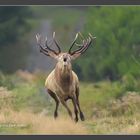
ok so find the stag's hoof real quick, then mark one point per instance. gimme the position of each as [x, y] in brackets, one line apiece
[76, 120]
[55, 115]
[82, 116]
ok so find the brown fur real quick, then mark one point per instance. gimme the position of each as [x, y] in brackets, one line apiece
[64, 79]
[63, 84]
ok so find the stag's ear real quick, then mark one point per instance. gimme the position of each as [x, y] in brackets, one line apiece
[74, 56]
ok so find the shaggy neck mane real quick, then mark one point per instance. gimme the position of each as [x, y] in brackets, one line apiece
[63, 75]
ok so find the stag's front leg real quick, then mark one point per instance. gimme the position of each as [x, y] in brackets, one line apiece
[75, 108]
[53, 95]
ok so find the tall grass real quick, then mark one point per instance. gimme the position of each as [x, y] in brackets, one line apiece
[29, 123]
[109, 107]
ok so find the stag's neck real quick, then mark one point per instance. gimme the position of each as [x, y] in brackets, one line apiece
[63, 74]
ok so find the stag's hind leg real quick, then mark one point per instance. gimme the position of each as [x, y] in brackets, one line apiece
[66, 106]
[53, 95]
[78, 104]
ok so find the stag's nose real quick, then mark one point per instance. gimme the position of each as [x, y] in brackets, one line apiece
[65, 59]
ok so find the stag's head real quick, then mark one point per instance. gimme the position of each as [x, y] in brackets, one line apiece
[64, 58]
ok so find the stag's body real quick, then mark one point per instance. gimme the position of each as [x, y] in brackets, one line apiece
[62, 83]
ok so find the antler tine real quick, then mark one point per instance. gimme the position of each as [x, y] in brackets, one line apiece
[37, 37]
[81, 35]
[59, 50]
[79, 45]
[83, 40]
[91, 36]
[47, 47]
[73, 43]
[42, 49]
[85, 45]
[82, 47]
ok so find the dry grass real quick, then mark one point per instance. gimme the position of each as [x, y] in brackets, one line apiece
[28, 123]
[107, 107]
[115, 125]
[24, 122]
[25, 75]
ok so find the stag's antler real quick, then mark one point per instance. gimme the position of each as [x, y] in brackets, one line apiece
[84, 46]
[74, 41]
[47, 50]
[42, 49]
[59, 50]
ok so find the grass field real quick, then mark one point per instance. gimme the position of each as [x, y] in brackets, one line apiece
[109, 107]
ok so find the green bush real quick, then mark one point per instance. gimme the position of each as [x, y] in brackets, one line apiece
[129, 82]
[117, 39]
[9, 81]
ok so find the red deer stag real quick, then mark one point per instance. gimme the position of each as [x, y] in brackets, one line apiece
[62, 83]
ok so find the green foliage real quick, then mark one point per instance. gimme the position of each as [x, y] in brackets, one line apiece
[14, 27]
[27, 94]
[13, 23]
[31, 96]
[99, 94]
[9, 81]
[117, 32]
[110, 98]
[127, 105]
[130, 83]
[99, 97]
[103, 103]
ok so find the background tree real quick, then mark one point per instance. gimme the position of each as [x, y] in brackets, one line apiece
[13, 28]
[117, 31]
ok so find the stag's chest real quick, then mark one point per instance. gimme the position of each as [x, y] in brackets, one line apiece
[66, 83]
[66, 87]
[62, 85]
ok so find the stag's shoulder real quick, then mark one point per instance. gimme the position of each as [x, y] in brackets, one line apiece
[75, 77]
[50, 80]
